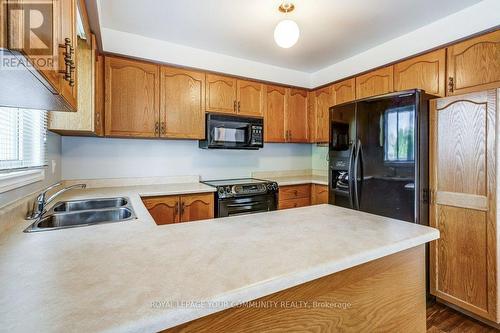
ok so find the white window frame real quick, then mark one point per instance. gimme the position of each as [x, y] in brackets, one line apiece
[16, 179]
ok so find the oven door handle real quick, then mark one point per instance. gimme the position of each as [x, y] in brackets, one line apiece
[245, 204]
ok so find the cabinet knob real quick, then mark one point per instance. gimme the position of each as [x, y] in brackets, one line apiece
[157, 128]
[163, 128]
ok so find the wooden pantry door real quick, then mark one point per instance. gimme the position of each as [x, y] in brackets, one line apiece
[463, 201]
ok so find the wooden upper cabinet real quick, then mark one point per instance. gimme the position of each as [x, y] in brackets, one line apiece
[197, 207]
[323, 98]
[182, 103]
[67, 19]
[375, 83]
[296, 113]
[164, 210]
[220, 94]
[427, 72]
[132, 98]
[474, 64]
[250, 96]
[274, 121]
[463, 155]
[344, 91]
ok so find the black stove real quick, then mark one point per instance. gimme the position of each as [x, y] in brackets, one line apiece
[244, 196]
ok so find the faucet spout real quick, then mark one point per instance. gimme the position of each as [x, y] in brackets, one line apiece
[41, 202]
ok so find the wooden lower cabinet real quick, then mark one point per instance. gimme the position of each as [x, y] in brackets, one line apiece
[294, 196]
[180, 208]
[463, 180]
[319, 194]
[383, 295]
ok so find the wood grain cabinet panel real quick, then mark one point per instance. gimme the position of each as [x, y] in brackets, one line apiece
[426, 72]
[323, 102]
[180, 208]
[294, 203]
[182, 104]
[250, 96]
[463, 262]
[344, 91]
[132, 98]
[220, 94]
[377, 82]
[297, 125]
[197, 207]
[294, 192]
[474, 64]
[319, 194]
[164, 210]
[274, 120]
[67, 25]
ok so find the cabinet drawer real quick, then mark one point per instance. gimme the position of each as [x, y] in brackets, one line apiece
[319, 194]
[295, 192]
[294, 203]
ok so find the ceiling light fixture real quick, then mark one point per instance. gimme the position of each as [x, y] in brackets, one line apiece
[287, 32]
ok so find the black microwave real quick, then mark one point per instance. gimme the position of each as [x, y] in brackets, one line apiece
[232, 132]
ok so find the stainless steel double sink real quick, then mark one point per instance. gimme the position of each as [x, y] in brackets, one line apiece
[78, 213]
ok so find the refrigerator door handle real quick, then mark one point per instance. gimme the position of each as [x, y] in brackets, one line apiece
[358, 162]
[350, 176]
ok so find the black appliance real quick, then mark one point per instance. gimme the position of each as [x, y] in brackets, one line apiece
[378, 155]
[244, 196]
[233, 132]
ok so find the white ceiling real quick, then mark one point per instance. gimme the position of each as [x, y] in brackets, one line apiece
[331, 30]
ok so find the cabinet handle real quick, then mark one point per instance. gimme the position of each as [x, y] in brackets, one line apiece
[234, 106]
[295, 192]
[163, 128]
[176, 209]
[157, 128]
[289, 134]
[450, 84]
[182, 207]
[69, 63]
[239, 107]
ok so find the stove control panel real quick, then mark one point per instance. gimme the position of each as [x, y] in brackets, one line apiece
[240, 190]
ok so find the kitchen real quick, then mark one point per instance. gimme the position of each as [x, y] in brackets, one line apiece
[295, 173]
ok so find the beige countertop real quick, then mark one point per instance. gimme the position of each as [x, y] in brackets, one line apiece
[136, 276]
[298, 180]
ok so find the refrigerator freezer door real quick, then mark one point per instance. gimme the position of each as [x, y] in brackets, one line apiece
[385, 167]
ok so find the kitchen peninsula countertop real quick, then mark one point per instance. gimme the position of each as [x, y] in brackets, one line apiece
[135, 276]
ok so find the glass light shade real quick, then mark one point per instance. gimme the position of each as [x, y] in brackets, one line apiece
[286, 33]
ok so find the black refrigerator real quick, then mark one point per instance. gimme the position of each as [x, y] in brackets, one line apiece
[378, 155]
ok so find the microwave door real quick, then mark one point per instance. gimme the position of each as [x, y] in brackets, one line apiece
[229, 136]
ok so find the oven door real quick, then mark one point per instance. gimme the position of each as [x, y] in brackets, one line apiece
[246, 205]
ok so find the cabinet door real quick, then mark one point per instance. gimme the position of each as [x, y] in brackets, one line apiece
[221, 94]
[197, 207]
[474, 64]
[425, 72]
[319, 194]
[132, 98]
[164, 210]
[323, 104]
[274, 121]
[295, 192]
[374, 83]
[67, 34]
[182, 104]
[296, 114]
[250, 96]
[463, 206]
[344, 91]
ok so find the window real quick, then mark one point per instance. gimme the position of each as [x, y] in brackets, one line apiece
[399, 134]
[23, 146]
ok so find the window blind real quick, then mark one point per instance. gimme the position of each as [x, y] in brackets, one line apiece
[23, 139]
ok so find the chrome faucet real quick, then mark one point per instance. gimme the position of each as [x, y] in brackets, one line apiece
[41, 202]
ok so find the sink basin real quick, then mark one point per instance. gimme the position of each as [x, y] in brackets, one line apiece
[78, 205]
[81, 218]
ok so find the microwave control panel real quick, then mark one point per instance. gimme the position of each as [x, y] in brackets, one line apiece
[257, 134]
